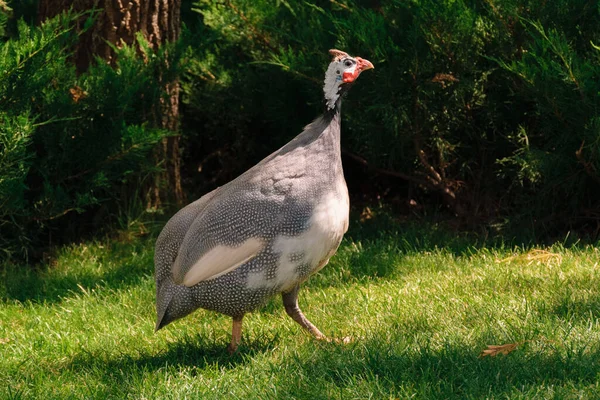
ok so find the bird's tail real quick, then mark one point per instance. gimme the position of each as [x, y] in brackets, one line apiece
[172, 302]
[163, 300]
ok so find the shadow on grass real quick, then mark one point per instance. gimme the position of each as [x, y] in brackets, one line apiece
[450, 372]
[191, 356]
[378, 368]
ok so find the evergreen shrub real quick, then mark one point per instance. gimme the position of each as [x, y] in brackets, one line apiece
[68, 143]
[487, 108]
[490, 108]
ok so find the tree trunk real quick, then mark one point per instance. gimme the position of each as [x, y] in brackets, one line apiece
[117, 22]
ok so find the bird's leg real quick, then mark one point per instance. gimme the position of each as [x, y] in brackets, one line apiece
[236, 334]
[290, 301]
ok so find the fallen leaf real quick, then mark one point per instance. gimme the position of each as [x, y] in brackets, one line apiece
[493, 350]
[538, 256]
[4, 340]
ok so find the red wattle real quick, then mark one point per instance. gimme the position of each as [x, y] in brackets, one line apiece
[350, 76]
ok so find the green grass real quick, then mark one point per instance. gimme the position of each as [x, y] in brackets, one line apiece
[420, 303]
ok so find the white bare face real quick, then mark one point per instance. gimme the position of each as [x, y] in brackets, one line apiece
[344, 69]
[334, 78]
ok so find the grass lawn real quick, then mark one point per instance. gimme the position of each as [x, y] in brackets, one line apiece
[420, 304]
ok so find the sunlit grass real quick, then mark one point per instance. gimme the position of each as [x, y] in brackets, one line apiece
[420, 304]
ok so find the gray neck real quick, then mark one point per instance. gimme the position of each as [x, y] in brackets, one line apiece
[324, 130]
[331, 135]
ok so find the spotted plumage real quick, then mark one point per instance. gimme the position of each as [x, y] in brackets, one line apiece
[266, 231]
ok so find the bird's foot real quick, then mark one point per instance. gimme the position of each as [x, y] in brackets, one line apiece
[344, 340]
[232, 348]
[290, 301]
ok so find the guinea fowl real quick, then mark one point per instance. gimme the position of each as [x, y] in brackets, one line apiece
[266, 231]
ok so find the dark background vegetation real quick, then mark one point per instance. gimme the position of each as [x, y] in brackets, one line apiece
[483, 113]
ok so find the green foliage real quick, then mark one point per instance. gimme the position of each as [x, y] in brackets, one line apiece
[15, 162]
[71, 143]
[5, 12]
[496, 102]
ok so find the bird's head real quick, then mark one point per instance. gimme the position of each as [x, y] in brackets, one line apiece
[342, 72]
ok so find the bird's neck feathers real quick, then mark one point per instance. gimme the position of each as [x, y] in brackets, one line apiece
[330, 127]
[334, 113]
[333, 91]
[332, 87]
[326, 128]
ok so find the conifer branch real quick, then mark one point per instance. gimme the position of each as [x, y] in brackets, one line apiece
[256, 33]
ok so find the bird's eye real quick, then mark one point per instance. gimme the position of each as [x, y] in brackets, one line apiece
[348, 63]
[337, 72]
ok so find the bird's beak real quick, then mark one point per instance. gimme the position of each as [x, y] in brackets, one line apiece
[363, 64]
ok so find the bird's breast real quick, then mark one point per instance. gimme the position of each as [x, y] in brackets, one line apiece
[298, 256]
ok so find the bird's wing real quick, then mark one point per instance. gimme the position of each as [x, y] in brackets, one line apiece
[173, 234]
[227, 233]
[232, 227]
[217, 261]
